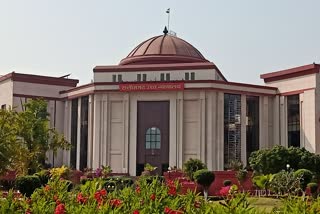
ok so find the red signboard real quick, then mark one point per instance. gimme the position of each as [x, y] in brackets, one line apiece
[177, 86]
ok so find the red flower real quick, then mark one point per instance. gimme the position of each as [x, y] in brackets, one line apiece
[55, 197]
[224, 191]
[28, 211]
[47, 188]
[81, 199]
[103, 192]
[136, 212]
[138, 189]
[115, 202]
[153, 196]
[170, 211]
[60, 209]
[170, 183]
[172, 191]
[58, 202]
[167, 210]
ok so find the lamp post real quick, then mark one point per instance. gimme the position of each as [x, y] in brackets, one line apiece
[288, 166]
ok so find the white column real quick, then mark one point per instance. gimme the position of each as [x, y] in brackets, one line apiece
[243, 120]
[263, 122]
[90, 131]
[283, 122]
[276, 121]
[96, 159]
[202, 126]
[173, 131]
[67, 130]
[133, 136]
[104, 130]
[78, 134]
[302, 126]
[126, 111]
[179, 149]
[210, 130]
[220, 131]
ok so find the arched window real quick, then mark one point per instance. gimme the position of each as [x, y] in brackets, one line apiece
[153, 138]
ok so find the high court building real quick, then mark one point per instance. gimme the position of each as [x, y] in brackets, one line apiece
[166, 103]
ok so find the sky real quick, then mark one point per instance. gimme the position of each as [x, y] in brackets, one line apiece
[243, 38]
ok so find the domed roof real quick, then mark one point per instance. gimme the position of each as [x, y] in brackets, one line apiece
[163, 49]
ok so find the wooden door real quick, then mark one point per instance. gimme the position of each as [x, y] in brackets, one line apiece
[153, 135]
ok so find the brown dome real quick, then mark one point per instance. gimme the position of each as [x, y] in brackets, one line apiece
[163, 49]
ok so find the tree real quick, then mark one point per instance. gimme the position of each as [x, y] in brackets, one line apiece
[8, 138]
[25, 137]
[271, 161]
[36, 137]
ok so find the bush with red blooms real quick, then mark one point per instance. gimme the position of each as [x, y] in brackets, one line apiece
[147, 196]
[60, 209]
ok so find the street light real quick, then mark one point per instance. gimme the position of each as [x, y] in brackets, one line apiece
[288, 166]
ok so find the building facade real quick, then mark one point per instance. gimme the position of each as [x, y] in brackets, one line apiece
[165, 103]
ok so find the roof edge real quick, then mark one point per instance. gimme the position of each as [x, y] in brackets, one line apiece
[290, 73]
[47, 80]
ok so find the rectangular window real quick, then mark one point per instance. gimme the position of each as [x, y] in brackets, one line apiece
[114, 78]
[293, 110]
[119, 78]
[162, 77]
[193, 76]
[167, 76]
[186, 76]
[232, 128]
[3, 106]
[138, 77]
[144, 77]
[252, 123]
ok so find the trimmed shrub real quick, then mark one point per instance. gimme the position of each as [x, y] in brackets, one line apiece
[305, 176]
[27, 184]
[227, 183]
[44, 176]
[204, 177]
[193, 165]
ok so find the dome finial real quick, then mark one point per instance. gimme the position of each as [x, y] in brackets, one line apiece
[165, 31]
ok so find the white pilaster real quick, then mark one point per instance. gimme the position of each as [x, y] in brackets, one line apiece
[276, 121]
[126, 111]
[243, 120]
[96, 159]
[78, 134]
[283, 122]
[90, 131]
[173, 130]
[67, 130]
[220, 131]
[179, 148]
[210, 111]
[104, 153]
[202, 126]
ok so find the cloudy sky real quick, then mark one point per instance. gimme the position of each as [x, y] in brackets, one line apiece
[243, 38]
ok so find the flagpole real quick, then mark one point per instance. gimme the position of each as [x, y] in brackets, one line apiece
[168, 20]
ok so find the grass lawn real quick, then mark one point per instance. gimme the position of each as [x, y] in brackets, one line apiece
[263, 204]
[266, 204]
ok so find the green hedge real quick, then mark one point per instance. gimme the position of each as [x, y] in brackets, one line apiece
[27, 184]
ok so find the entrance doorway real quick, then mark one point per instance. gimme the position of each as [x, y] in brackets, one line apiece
[153, 135]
